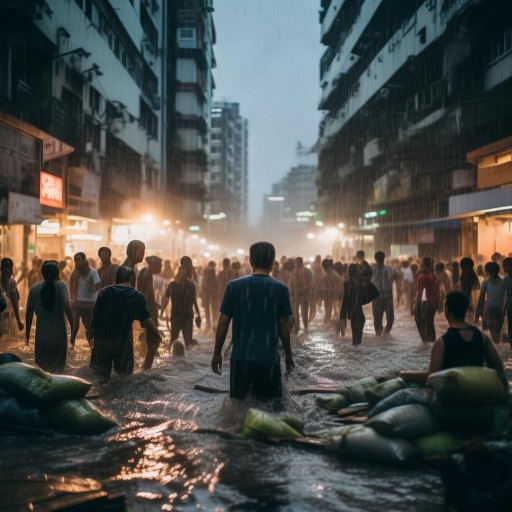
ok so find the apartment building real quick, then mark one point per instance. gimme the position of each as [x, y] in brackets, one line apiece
[411, 90]
[81, 116]
[229, 179]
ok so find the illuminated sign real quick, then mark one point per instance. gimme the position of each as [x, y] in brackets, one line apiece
[51, 190]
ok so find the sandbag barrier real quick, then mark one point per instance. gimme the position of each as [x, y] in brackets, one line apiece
[32, 400]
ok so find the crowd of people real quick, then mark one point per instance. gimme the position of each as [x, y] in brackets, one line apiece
[107, 297]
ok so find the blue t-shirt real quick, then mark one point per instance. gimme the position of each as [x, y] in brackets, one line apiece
[256, 303]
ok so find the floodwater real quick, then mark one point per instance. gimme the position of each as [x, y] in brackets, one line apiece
[157, 460]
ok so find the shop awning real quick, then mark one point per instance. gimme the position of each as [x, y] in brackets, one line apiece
[479, 203]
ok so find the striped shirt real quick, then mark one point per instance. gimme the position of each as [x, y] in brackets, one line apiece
[50, 322]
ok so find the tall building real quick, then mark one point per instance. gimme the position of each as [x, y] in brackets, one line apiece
[81, 121]
[294, 198]
[229, 165]
[192, 36]
[417, 100]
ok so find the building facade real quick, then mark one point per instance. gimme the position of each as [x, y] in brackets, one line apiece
[410, 89]
[229, 177]
[81, 96]
[192, 37]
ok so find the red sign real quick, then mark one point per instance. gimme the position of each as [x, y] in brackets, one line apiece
[51, 193]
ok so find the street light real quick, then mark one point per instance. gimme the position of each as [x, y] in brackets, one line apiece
[77, 51]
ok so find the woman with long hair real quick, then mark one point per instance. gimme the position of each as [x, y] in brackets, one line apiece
[84, 284]
[491, 302]
[49, 300]
[426, 301]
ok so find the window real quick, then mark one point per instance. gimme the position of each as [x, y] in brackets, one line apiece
[94, 100]
[187, 33]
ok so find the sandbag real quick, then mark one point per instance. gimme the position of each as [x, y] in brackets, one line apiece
[76, 417]
[259, 425]
[331, 403]
[437, 444]
[383, 390]
[468, 385]
[407, 421]
[32, 386]
[365, 444]
[355, 392]
[423, 396]
[467, 419]
[296, 423]
[13, 414]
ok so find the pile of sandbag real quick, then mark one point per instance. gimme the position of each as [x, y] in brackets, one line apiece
[31, 398]
[263, 425]
[406, 422]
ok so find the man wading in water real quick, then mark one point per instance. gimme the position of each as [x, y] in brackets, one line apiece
[260, 307]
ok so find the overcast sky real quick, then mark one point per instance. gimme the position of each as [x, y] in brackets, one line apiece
[268, 55]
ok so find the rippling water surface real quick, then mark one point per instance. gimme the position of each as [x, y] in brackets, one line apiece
[159, 463]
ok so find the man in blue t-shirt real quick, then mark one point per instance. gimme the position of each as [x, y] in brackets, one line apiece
[260, 307]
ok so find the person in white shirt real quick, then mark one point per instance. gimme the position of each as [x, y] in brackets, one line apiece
[84, 284]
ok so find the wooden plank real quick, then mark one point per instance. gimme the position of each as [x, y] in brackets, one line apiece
[352, 411]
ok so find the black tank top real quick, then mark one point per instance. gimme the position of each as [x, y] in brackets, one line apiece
[459, 352]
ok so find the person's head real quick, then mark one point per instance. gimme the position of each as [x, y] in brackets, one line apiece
[167, 263]
[212, 265]
[135, 251]
[439, 268]
[299, 262]
[125, 275]
[492, 268]
[404, 264]
[154, 264]
[338, 268]
[226, 263]
[262, 255]
[507, 265]
[6, 267]
[455, 271]
[318, 259]
[426, 264]
[50, 270]
[360, 255]
[353, 271]
[327, 265]
[181, 275]
[466, 264]
[81, 264]
[288, 266]
[456, 305]
[480, 270]
[63, 264]
[379, 257]
[496, 257]
[104, 254]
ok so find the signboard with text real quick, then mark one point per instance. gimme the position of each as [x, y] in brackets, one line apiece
[51, 190]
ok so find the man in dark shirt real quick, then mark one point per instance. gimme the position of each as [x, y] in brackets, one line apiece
[114, 312]
[260, 307]
[182, 294]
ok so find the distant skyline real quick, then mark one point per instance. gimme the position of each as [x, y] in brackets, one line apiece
[268, 54]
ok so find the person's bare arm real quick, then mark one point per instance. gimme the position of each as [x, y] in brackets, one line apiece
[16, 308]
[220, 338]
[29, 314]
[69, 313]
[150, 326]
[74, 328]
[493, 360]
[284, 335]
[436, 356]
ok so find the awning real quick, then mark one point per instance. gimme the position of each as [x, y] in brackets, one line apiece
[479, 203]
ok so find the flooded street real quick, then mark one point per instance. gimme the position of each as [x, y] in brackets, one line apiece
[158, 462]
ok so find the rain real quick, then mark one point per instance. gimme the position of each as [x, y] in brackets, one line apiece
[255, 255]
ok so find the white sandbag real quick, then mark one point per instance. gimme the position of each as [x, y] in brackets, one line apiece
[355, 392]
[422, 396]
[406, 421]
[365, 444]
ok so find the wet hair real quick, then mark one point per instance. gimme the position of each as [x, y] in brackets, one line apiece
[134, 247]
[360, 254]
[466, 263]
[50, 272]
[6, 263]
[507, 263]
[327, 264]
[439, 267]
[426, 264]
[84, 272]
[153, 260]
[353, 270]
[379, 257]
[186, 261]
[492, 268]
[125, 274]
[212, 264]
[262, 254]
[104, 249]
[226, 263]
[457, 304]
